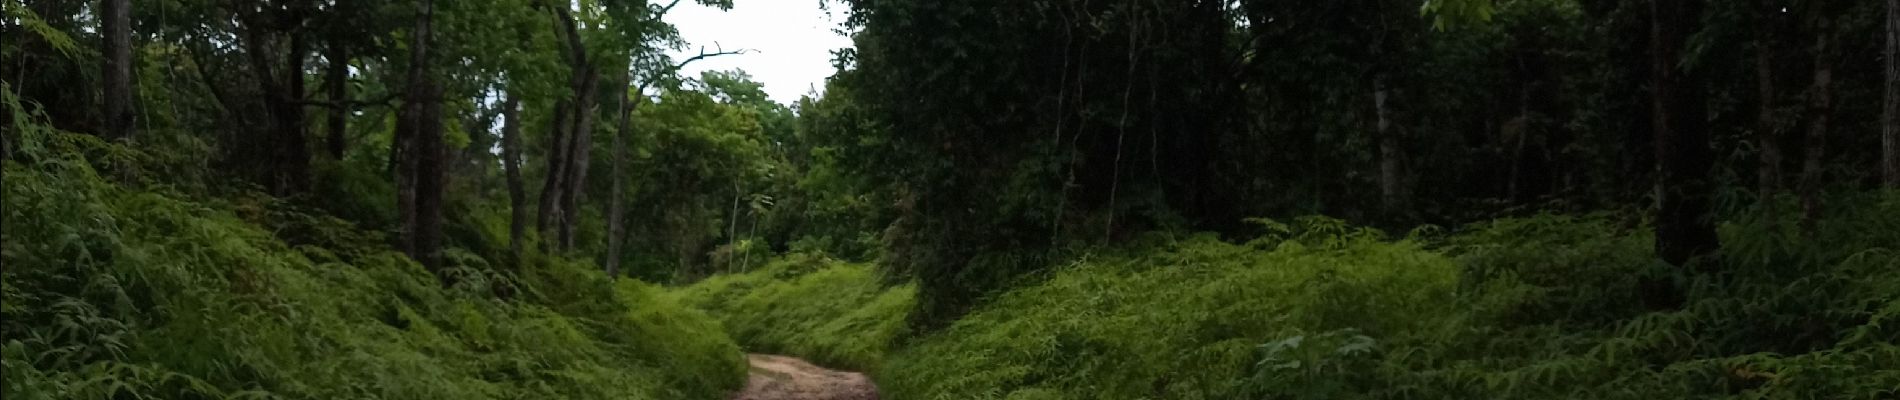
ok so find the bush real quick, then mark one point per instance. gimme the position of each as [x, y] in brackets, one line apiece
[112, 291]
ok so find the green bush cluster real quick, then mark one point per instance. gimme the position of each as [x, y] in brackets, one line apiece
[834, 313]
[124, 290]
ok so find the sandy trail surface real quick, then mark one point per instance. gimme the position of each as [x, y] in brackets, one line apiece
[786, 378]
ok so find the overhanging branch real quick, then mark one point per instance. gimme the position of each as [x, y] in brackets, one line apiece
[381, 101]
[676, 67]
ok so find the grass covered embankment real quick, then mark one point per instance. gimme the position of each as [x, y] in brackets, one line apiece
[833, 313]
[1533, 308]
[117, 290]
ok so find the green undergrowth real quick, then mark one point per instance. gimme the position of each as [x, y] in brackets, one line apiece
[135, 290]
[833, 313]
[1531, 308]
[1525, 308]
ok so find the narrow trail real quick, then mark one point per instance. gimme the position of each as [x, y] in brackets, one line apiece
[786, 378]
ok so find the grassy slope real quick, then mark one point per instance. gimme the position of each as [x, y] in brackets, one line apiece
[112, 292]
[1543, 307]
[832, 313]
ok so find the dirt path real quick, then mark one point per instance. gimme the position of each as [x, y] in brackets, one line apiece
[785, 378]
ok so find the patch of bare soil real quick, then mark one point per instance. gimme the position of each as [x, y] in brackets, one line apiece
[786, 378]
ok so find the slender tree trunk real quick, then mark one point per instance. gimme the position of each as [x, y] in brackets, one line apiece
[616, 229]
[422, 165]
[115, 22]
[732, 229]
[581, 144]
[1820, 106]
[1685, 227]
[511, 166]
[1391, 155]
[1890, 115]
[551, 185]
[336, 84]
[1516, 133]
[293, 151]
[1767, 127]
[293, 146]
[402, 155]
[752, 231]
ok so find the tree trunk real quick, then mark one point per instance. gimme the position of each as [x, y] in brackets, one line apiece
[616, 229]
[1890, 115]
[293, 152]
[1391, 172]
[1685, 227]
[511, 166]
[732, 229]
[1820, 105]
[557, 195]
[285, 148]
[116, 26]
[581, 146]
[421, 172]
[336, 84]
[551, 186]
[1767, 127]
[431, 178]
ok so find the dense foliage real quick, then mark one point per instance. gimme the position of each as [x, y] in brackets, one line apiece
[1538, 307]
[1013, 131]
[123, 290]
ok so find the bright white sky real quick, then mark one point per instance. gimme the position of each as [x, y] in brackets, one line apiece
[791, 42]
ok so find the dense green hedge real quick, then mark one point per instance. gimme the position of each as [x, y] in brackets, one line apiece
[123, 290]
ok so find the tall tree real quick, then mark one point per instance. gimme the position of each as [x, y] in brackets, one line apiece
[1767, 123]
[572, 133]
[344, 29]
[1890, 114]
[282, 87]
[579, 152]
[1685, 226]
[616, 208]
[421, 173]
[547, 212]
[511, 167]
[1394, 27]
[115, 22]
[616, 229]
[337, 89]
[1391, 169]
[1820, 109]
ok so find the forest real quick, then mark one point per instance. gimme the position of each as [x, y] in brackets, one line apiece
[986, 199]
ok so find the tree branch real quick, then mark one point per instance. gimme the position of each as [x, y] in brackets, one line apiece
[667, 9]
[676, 67]
[382, 101]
